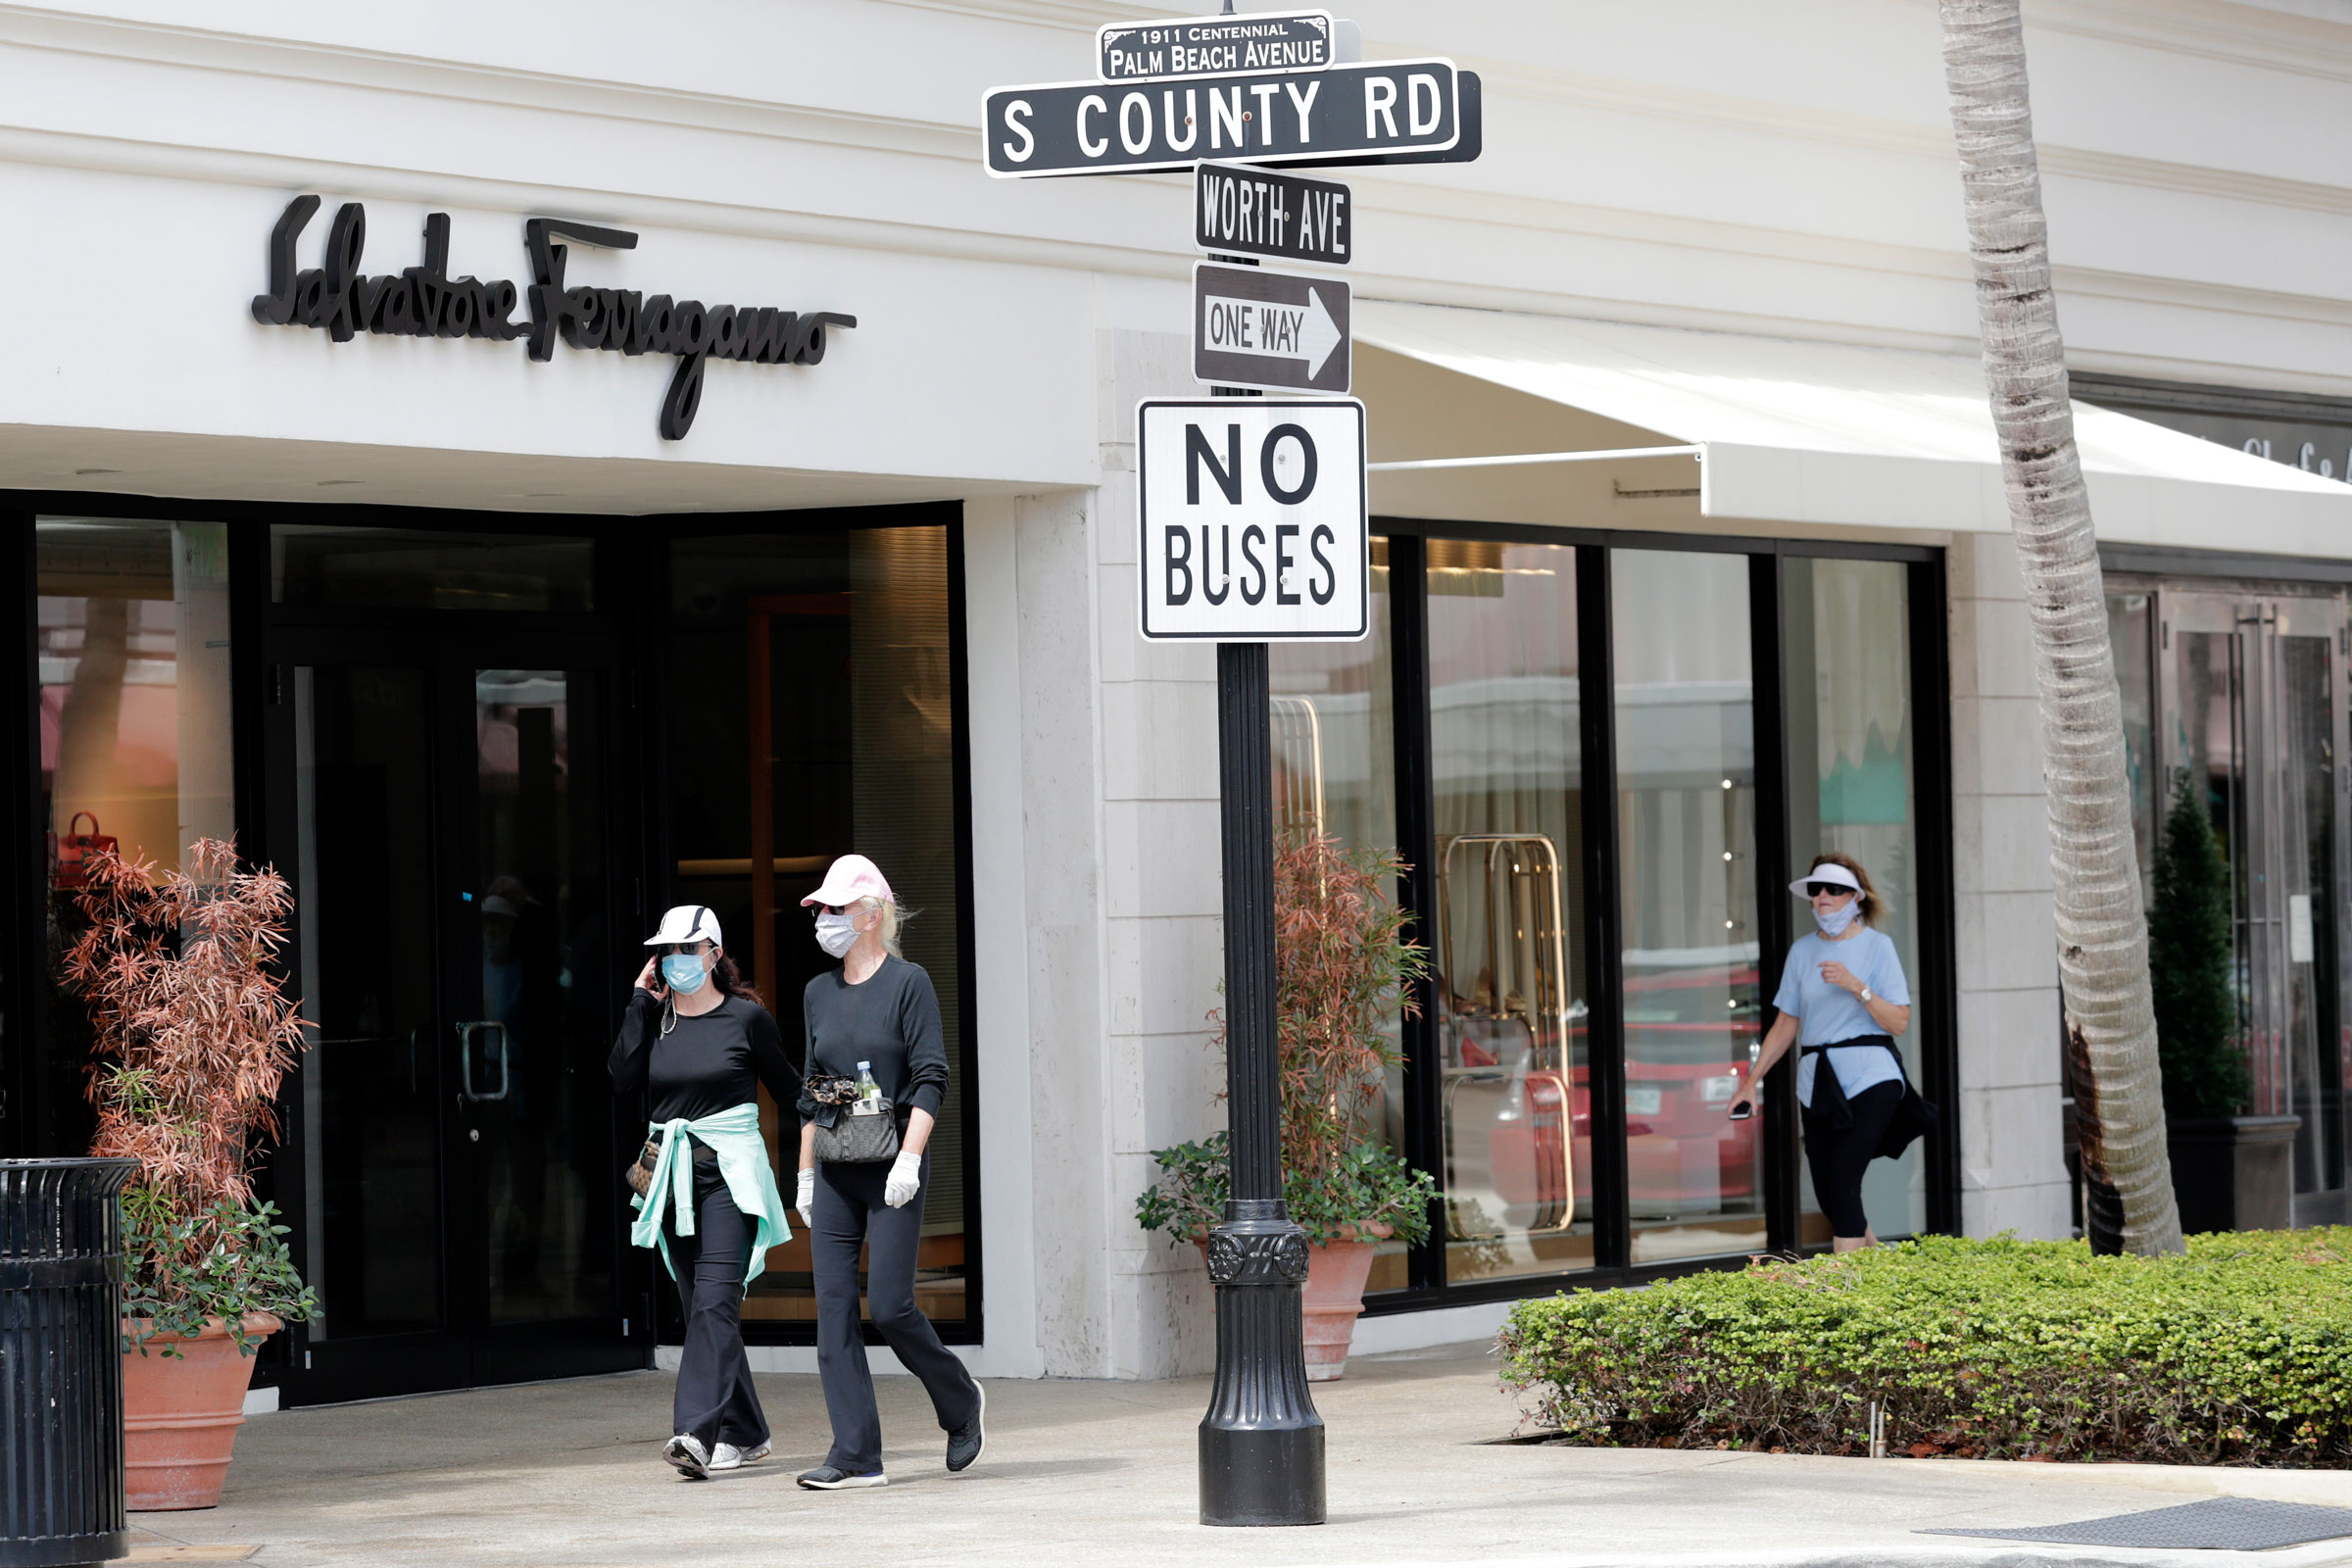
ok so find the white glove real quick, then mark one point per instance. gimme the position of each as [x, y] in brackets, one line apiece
[905, 1179]
[803, 1198]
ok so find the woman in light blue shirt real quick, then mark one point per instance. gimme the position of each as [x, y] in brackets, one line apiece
[1842, 999]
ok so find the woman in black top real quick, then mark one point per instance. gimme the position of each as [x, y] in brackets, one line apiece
[877, 1013]
[695, 1042]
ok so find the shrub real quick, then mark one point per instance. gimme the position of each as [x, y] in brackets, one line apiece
[191, 1034]
[2192, 964]
[2238, 1352]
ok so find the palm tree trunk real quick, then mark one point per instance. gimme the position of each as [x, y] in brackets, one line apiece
[2102, 930]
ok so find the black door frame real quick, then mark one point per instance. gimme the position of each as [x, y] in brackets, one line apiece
[468, 1350]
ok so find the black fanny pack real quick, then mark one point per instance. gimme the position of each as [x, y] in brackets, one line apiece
[1914, 1118]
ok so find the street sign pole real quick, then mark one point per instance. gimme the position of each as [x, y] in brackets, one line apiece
[1261, 1442]
[1225, 97]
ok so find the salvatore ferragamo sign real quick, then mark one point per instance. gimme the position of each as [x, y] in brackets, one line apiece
[424, 301]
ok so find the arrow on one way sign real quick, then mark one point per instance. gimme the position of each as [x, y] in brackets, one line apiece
[1272, 330]
[1279, 331]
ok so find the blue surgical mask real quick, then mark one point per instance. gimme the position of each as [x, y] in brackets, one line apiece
[684, 972]
[1834, 923]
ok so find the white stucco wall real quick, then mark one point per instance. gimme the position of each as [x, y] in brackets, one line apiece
[1710, 164]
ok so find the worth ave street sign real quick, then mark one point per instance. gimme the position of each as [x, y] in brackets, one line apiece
[1255, 212]
[1394, 107]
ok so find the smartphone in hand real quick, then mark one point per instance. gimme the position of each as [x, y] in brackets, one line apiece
[1740, 1112]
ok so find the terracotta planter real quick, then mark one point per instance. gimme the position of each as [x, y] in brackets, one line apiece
[180, 1415]
[1335, 1300]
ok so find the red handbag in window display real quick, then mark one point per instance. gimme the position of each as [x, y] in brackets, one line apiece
[70, 853]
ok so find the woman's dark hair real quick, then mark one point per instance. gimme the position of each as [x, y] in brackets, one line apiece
[730, 979]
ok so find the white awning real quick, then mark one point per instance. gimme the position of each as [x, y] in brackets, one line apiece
[1821, 433]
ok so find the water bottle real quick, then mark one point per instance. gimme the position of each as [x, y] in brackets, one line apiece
[869, 1092]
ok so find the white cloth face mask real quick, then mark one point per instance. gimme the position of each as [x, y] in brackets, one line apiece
[836, 935]
[1834, 922]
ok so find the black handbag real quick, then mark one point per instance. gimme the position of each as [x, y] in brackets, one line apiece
[857, 1132]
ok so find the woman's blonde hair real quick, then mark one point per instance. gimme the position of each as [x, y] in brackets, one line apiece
[891, 920]
[1869, 906]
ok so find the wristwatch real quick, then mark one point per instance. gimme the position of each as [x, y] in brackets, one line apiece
[1867, 997]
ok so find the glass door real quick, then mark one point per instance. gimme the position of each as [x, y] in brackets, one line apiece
[454, 1150]
[2254, 717]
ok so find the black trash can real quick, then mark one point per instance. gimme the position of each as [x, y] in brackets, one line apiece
[61, 1362]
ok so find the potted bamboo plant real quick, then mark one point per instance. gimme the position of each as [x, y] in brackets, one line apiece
[191, 1034]
[2229, 1172]
[1342, 965]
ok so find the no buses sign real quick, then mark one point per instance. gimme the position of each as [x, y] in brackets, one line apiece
[1253, 519]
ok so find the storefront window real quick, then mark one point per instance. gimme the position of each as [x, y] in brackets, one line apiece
[1845, 636]
[1335, 773]
[1509, 956]
[133, 629]
[1686, 813]
[810, 712]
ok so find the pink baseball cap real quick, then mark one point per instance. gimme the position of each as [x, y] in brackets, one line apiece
[849, 879]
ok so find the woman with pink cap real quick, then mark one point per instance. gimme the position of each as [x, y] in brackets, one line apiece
[877, 1070]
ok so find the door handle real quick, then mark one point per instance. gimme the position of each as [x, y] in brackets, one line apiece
[468, 1035]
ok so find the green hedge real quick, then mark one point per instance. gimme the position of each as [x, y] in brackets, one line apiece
[2239, 1352]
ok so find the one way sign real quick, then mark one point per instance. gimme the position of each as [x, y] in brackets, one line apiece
[1282, 331]
[1253, 520]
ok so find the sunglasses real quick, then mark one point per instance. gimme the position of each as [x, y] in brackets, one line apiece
[1814, 889]
[670, 949]
[815, 910]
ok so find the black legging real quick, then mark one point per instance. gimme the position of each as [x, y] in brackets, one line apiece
[850, 1214]
[1838, 1155]
[714, 1400]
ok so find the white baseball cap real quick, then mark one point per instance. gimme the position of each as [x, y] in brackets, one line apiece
[688, 922]
[1826, 871]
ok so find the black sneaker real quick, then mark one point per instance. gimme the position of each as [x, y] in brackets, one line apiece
[687, 1453]
[825, 1478]
[967, 1441]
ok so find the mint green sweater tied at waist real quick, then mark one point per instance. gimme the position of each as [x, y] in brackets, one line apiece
[734, 1136]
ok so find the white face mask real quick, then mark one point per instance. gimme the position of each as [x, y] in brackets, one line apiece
[1836, 921]
[836, 935]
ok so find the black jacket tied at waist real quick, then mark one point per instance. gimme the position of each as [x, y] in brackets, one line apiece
[1913, 1116]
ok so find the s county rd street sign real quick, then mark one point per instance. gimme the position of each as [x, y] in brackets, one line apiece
[1282, 331]
[1256, 212]
[1176, 47]
[1252, 519]
[1341, 114]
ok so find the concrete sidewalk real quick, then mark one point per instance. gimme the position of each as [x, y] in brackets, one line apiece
[568, 1473]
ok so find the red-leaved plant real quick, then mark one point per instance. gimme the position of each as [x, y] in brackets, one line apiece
[1342, 965]
[192, 1034]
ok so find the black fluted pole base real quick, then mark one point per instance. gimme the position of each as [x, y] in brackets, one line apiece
[1261, 1442]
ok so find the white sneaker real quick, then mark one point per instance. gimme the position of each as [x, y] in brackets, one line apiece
[685, 1452]
[727, 1456]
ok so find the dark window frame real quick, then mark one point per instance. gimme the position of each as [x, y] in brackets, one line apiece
[631, 573]
[1936, 986]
